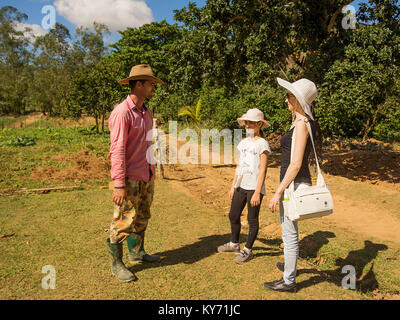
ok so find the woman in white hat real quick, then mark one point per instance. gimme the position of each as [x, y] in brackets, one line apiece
[300, 95]
[248, 184]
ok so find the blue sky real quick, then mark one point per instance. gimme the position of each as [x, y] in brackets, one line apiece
[71, 13]
[161, 9]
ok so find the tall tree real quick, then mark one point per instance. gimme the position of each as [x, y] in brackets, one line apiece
[151, 44]
[89, 45]
[14, 61]
[238, 39]
[360, 93]
[94, 88]
[51, 77]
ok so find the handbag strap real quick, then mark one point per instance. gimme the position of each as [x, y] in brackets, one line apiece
[312, 141]
[291, 186]
[320, 178]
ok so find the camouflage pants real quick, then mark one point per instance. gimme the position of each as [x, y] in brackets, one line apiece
[134, 214]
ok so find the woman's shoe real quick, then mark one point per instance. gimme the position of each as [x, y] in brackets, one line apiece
[280, 285]
[273, 282]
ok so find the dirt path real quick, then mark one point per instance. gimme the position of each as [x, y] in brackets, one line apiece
[373, 210]
[28, 120]
[365, 207]
[57, 121]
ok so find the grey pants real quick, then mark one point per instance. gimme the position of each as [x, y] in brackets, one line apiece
[290, 237]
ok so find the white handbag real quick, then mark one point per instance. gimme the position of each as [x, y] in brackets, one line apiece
[307, 201]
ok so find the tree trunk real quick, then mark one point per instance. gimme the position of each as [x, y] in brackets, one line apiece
[102, 122]
[97, 123]
[368, 127]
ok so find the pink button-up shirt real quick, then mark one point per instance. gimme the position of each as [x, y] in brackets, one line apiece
[131, 134]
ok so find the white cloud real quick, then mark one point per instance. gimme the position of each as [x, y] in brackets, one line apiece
[116, 14]
[36, 30]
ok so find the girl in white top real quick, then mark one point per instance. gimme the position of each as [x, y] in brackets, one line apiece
[248, 184]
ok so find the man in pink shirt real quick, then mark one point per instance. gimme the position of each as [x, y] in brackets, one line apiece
[132, 170]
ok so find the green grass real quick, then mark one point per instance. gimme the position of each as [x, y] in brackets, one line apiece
[67, 230]
[18, 162]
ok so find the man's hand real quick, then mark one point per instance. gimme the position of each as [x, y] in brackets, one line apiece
[255, 199]
[119, 196]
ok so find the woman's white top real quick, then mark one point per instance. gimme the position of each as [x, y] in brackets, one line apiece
[249, 163]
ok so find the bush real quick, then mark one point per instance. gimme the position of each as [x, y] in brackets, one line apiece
[356, 96]
[168, 105]
[23, 141]
[388, 127]
[223, 110]
[217, 107]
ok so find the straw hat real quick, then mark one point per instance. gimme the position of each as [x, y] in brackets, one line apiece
[254, 115]
[305, 92]
[141, 72]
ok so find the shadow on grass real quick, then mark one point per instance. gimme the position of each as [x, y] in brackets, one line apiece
[224, 166]
[275, 243]
[309, 247]
[191, 253]
[184, 180]
[273, 248]
[358, 259]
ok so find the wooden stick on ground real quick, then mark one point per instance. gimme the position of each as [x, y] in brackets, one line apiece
[48, 189]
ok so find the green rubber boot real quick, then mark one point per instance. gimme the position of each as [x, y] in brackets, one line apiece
[136, 249]
[118, 268]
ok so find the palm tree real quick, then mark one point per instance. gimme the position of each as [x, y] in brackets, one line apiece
[193, 112]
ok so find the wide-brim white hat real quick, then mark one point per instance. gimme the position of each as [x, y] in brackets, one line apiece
[254, 115]
[305, 92]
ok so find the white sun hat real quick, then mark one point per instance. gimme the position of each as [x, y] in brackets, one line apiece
[254, 115]
[305, 92]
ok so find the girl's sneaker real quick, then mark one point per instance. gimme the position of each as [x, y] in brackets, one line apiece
[229, 247]
[243, 257]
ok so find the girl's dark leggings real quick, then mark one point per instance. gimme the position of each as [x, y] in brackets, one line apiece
[240, 198]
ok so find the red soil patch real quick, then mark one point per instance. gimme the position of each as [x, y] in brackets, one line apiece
[376, 167]
[210, 185]
[85, 166]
